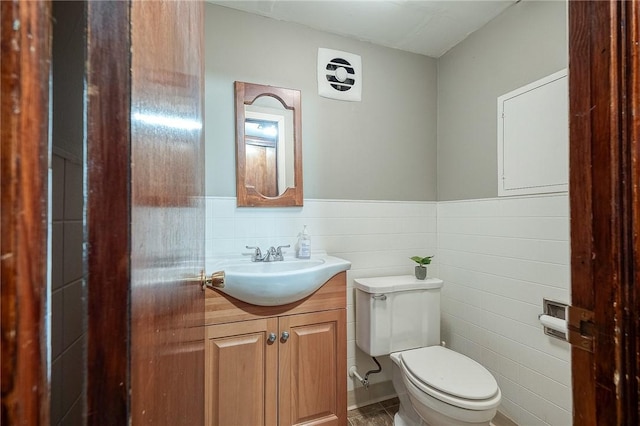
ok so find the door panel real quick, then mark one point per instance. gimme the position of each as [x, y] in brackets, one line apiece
[167, 213]
[310, 362]
[261, 161]
[241, 373]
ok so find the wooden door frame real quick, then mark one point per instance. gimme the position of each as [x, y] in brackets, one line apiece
[108, 211]
[26, 54]
[26, 47]
[605, 210]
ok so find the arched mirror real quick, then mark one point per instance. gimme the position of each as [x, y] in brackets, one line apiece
[268, 146]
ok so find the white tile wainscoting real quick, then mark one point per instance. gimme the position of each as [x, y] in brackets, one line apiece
[498, 258]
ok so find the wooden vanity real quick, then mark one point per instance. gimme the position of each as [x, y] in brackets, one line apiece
[277, 365]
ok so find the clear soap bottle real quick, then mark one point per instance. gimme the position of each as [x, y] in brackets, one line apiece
[304, 244]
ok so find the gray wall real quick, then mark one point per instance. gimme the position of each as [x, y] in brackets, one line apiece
[383, 148]
[522, 45]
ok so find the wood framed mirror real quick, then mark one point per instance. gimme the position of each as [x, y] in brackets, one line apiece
[268, 146]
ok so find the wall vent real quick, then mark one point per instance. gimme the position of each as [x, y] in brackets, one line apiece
[339, 75]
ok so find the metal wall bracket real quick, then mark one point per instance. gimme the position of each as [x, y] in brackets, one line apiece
[581, 328]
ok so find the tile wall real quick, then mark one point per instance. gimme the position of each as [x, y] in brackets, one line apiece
[498, 258]
[68, 318]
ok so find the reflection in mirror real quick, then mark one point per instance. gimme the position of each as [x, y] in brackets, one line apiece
[269, 156]
[269, 146]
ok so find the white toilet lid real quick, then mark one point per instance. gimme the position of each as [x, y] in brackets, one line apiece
[450, 372]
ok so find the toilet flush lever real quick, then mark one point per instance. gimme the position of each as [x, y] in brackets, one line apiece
[379, 296]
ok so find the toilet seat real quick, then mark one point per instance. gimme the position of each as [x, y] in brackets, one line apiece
[451, 377]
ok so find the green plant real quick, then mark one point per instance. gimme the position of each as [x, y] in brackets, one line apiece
[421, 260]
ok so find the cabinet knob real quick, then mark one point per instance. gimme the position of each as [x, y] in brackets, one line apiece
[272, 338]
[285, 336]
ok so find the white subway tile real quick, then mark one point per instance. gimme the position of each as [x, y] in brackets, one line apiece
[512, 309]
[351, 330]
[547, 206]
[549, 412]
[500, 364]
[224, 207]
[221, 228]
[551, 366]
[474, 208]
[549, 389]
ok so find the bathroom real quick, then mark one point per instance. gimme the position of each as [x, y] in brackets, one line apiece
[417, 186]
[490, 251]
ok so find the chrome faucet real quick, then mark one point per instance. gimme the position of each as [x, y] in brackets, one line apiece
[272, 255]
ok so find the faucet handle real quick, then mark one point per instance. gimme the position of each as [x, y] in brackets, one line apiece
[279, 255]
[257, 254]
[279, 249]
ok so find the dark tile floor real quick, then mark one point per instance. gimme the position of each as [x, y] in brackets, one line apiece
[378, 414]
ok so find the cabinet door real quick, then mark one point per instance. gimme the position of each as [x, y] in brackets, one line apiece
[241, 373]
[313, 369]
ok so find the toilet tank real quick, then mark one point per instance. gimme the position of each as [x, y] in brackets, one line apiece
[397, 313]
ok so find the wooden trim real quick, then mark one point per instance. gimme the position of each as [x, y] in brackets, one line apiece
[580, 184]
[26, 58]
[630, 86]
[603, 77]
[220, 308]
[248, 196]
[108, 211]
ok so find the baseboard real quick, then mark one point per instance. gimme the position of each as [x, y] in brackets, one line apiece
[361, 396]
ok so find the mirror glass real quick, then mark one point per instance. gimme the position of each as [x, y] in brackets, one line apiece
[268, 157]
[268, 137]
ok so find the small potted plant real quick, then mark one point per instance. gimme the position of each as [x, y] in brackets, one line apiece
[421, 270]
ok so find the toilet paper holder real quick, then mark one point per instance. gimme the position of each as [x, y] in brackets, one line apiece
[554, 319]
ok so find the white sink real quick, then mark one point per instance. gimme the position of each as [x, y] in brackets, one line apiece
[276, 283]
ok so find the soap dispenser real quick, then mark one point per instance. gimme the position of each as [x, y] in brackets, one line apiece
[304, 244]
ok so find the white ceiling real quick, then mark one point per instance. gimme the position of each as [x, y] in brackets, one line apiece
[428, 27]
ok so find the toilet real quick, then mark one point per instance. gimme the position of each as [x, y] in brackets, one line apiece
[400, 316]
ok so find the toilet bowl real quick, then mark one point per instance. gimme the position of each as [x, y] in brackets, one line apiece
[400, 316]
[444, 387]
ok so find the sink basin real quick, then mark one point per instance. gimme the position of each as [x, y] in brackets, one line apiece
[276, 283]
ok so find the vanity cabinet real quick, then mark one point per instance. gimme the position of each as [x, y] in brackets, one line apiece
[282, 365]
